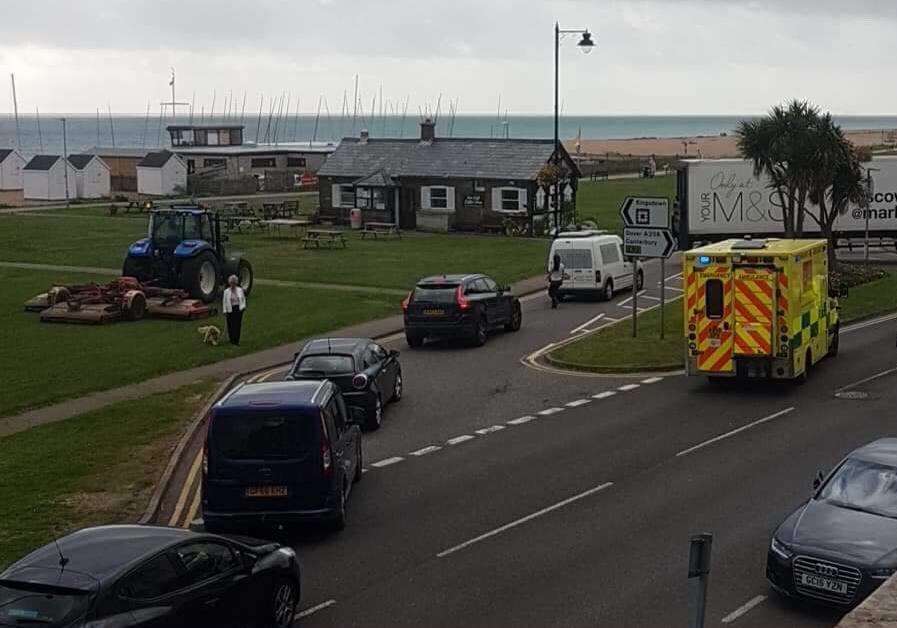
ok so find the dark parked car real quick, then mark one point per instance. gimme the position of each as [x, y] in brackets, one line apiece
[280, 452]
[368, 375]
[151, 576]
[459, 306]
[842, 544]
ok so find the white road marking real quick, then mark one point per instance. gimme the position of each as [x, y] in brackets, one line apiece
[549, 411]
[459, 439]
[652, 380]
[866, 380]
[426, 450]
[314, 609]
[521, 420]
[685, 452]
[490, 429]
[674, 289]
[614, 320]
[588, 322]
[650, 298]
[194, 508]
[864, 324]
[363, 470]
[628, 387]
[523, 520]
[386, 462]
[577, 403]
[671, 277]
[185, 490]
[605, 394]
[741, 610]
[265, 376]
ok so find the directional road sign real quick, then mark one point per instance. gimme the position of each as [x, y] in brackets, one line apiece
[648, 242]
[638, 211]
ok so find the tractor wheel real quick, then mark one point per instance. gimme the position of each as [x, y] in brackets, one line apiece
[136, 268]
[135, 305]
[244, 276]
[199, 276]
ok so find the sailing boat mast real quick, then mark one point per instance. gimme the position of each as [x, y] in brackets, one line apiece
[15, 106]
[40, 137]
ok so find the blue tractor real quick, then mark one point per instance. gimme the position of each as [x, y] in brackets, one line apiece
[185, 249]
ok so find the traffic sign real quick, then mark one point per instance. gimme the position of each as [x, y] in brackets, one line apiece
[646, 211]
[648, 242]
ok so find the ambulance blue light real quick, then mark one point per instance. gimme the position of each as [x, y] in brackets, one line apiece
[704, 260]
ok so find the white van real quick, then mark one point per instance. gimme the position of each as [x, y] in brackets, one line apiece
[593, 264]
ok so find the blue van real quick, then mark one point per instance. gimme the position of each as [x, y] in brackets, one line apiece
[280, 452]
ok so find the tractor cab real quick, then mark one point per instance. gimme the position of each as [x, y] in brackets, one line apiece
[184, 248]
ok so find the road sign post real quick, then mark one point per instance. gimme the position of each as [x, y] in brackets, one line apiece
[635, 297]
[663, 291]
[698, 578]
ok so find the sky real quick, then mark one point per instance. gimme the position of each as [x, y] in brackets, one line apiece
[652, 57]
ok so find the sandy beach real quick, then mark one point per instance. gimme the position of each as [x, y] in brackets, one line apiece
[710, 147]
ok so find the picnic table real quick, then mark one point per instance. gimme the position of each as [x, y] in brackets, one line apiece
[295, 224]
[139, 206]
[250, 221]
[328, 237]
[236, 207]
[287, 209]
[377, 229]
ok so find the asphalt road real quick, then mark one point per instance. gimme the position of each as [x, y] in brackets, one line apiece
[473, 513]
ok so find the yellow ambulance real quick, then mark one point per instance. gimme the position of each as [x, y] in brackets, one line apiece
[758, 308]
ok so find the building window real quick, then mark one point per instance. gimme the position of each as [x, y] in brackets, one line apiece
[212, 138]
[236, 137]
[295, 162]
[439, 198]
[346, 196]
[264, 162]
[371, 198]
[213, 162]
[510, 200]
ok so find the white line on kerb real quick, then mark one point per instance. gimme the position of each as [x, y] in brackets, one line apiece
[521, 420]
[490, 429]
[685, 452]
[577, 403]
[549, 411]
[523, 520]
[605, 394]
[459, 439]
[387, 461]
[314, 609]
[185, 490]
[652, 380]
[425, 450]
[628, 387]
[588, 322]
[743, 609]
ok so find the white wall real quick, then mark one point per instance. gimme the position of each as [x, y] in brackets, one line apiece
[174, 174]
[11, 177]
[94, 181]
[49, 185]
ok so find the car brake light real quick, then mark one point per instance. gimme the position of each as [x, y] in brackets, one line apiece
[406, 302]
[326, 465]
[462, 301]
[360, 381]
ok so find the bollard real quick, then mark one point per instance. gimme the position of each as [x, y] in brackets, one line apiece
[698, 578]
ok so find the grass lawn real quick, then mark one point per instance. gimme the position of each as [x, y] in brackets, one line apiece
[614, 350]
[600, 200]
[43, 363]
[92, 469]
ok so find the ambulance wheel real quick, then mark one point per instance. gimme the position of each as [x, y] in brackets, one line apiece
[836, 340]
[808, 364]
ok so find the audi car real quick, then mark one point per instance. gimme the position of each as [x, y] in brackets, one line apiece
[838, 547]
[132, 575]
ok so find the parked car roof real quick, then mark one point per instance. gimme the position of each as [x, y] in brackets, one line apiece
[288, 393]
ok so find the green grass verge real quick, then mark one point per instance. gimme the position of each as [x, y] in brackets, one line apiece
[43, 363]
[92, 469]
[613, 350]
[600, 200]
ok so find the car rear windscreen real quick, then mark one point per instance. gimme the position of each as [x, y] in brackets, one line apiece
[326, 364]
[435, 293]
[254, 436]
[27, 606]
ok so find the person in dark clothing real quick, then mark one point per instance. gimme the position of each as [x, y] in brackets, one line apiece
[555, 279]
[233, 306]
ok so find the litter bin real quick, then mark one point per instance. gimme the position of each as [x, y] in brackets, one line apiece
[355, 218]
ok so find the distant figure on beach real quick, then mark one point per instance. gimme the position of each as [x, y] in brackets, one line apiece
[652, 167]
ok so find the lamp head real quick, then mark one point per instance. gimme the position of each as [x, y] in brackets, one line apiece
[586, 44]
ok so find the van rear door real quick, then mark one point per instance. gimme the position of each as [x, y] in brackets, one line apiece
[265, 460]
[710, 300]
[579, 264]
[754, 299]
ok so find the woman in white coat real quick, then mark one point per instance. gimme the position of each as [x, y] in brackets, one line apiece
[233, 305]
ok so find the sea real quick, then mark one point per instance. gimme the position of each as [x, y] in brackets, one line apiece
[45, 134]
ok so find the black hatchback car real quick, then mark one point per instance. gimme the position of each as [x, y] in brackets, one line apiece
[459, 306]
[368, 375]
[280, 452]
[838, 547]
[146, 576]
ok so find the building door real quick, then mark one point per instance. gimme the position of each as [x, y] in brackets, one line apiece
[407, 213]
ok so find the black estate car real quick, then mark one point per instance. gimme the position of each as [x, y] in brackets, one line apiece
[151, 576]
[459, 306]
[368, 375]
[842, 544]
[279, 453]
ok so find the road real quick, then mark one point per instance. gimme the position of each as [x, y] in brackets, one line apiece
[473, 513]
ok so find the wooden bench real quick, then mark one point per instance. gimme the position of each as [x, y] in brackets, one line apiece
[377, 229]
[294, 225]
[236, 223]
[327, 237]
[141, 207]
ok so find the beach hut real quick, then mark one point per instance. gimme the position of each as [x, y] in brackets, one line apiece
[11, 180]
[92, 176]
[45, 179]
[161, 174]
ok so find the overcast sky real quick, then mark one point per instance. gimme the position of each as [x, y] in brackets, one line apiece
[663, 57]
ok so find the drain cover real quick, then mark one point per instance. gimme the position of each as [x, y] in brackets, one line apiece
[852, 395]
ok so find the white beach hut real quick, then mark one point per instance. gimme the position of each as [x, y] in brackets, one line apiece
[161, 173]
[11, 180]
[92, 176]
[45, 178]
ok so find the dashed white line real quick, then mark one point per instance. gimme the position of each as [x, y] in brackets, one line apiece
[314, 609]
[459, 439]
[549, 411]
[523, 520]
[650, 298]
[685, 452]
[386, 462]
[741, 610]
[490, 429]
[587, 323]
[652, 380]
[605, 394]
[577, 403]
[425, 450]
[674, 289]
[521, 420]
[628, 387]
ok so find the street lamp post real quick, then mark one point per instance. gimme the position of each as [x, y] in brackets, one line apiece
[65, 161]
[585, 44]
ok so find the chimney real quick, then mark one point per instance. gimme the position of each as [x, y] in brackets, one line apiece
[427, 131]
[364, 136]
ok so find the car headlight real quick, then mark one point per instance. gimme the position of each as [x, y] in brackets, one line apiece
[882, 573]
[780, 549]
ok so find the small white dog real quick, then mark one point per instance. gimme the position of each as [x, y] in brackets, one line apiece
[210, 335]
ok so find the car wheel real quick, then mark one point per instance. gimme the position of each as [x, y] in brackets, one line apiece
[397, 388]
[481, 333]
[414, 341]
[836, 340]
[340, 518]
[608, 291]
[284, 600]
[375, 418]
[358, 465]
[516, 319]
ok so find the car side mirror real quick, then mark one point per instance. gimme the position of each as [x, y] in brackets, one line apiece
[817, 481]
